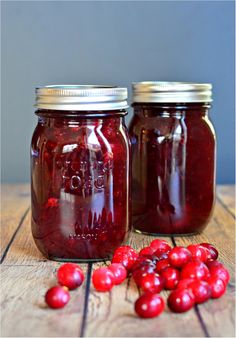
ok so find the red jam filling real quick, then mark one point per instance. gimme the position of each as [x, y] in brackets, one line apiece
[80, 186]
[173, 168]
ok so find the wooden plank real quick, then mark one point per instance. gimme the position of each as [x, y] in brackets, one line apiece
[15, 199]
[218, 315]
[226, 194]
[26, 275]
[112, 314]
[24, 312]
[23, 250]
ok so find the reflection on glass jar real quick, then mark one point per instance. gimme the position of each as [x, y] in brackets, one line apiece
[173, 158]
[80, 174]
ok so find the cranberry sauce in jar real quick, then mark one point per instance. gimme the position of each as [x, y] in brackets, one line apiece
[80, 157]
[173, 157]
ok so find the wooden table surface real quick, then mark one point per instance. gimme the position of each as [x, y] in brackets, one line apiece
[26, 275]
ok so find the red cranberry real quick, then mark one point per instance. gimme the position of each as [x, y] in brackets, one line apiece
[139, 274]
[119, 272]
[147, 251]
[149, 305]
[52, 202]
[212, 252]
[218, 287]
[184, 283]
[198, 252]
[126, 256]
[143, 263]
[162, 264]
[180, 300]
[210, 264]
[171, 277]
[158, 255]
[57, 297]
[125, 249]
[70, 275]
[160, 245]
[152, 282]
[220, 272]
[179, 256]
[195, 269]
[103, 279]
[201, 291]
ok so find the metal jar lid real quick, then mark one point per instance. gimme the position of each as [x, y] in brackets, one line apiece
[171, 92]
[81, 97]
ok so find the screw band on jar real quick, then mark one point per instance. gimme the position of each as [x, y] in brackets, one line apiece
[81, 97]
[171, 92]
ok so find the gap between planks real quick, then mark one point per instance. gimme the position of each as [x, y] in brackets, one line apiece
[86, 299]
[225, 206]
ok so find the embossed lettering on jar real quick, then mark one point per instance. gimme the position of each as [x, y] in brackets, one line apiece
[173, 157]
[80, 172]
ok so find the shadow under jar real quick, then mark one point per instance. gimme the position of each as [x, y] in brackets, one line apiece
[173, 158]
[80, 172]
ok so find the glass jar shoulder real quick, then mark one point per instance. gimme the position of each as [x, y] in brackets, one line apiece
[148, 121]
[66, 136]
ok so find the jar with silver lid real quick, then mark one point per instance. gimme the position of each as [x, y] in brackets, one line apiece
[80, 155]
[173, 157]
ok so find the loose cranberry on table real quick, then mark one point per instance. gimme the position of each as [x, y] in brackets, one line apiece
[143, 261]
[149, 305]
[160, 245]
[125, 255]
[139, 274]
[158, 255]
[152, 282]
[171, 277]
[179, 256]
[57, 297]
[103, 279]
[201, 291]
[146, 251]
[218, 287]
[162, 264]
[184, 283]
[212, 251]
[70, 275]
[195, 269]
[198, 252]
[212, 263]
[180, 300]
[142, 266]
[119, 272]
[220, 272]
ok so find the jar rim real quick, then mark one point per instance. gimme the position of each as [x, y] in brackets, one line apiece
[81, 97]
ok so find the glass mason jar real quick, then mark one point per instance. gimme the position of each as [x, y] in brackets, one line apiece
[80, 157]
[173, 157]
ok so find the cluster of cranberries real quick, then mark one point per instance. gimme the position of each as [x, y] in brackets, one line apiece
[70, 276]
[192, 274]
